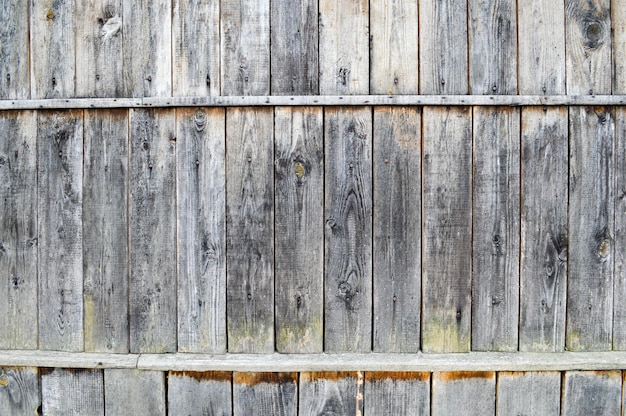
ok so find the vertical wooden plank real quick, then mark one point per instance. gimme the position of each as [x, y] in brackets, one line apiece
[618, 18]
[18, 230]
[344, 47]
[592, 393]
[152, 231]
[464, 393]
[201, 205]
[443, 54]
[134, 392]
[294, 44]
[529, 393]
[591, 220]
[14, 40]
[196, 48]
[397, 228]
[394, 52]
[299, 221]
[245, 35]
[67, 392]
[250, 229]
[52, 48]
[19, 391]
[493, 46]
[326, 393]
[397, 393]
[59, 203]
[496, 227]
[447, 229]
[541, 37]
[619, 279]
[192, 393]
[265, 394]
[348, 212]
[105, 230]
[543, 262]
[146, 44]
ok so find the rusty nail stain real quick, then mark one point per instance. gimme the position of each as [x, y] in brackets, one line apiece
[50, 15]
[251, 379]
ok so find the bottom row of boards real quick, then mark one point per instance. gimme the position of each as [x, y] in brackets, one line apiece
[27, 390]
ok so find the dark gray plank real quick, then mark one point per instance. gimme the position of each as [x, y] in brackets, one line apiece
[191, 393]
[388, 393]
[68, 392]
[592, 393]
[619, 279]
[14, 40]
[265, 394]
[19, 391]
[465, 393]
[326, 393]
[529, 393]
[134, 392]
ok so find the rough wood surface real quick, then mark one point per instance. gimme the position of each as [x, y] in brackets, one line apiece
[326, 393]
[192, 393]
[19, 391]
[389, 393]
[299, 222]
[529, 393]
[463, 393]
[619, 277]
[64, 359]
[618, 19]
[134, 392]
[14, 40]
[265, 394]
[69, 392]
[397, 229]
[592, 393]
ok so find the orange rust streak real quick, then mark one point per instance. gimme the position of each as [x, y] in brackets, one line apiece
[252, 379]
[225, 376]
[464, 375]
[397, 375]
[328, 375]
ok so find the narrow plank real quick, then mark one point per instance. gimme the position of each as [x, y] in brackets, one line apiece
[397, 229]
[466, 393]
[529, 393]
[592, 393]
[105, 230]
[250, 230]
[299, 222]
[245, 47]
[99, 48]
[541, 37]
[67, 392]
[192, 393]
[152, 231]
[591, 229]
[496, 227]
[443, 54]
[294, 47]
[60, 244]
[52, 49]
[14, 39]
[588, 46]
[543, 257]
[64, 359]
[447, 229]
[265, 394]
[196, 48]
[388, 393]
[134, 392]
[394, 52]
[19, 391]
[331, 393]
[619, 277]
[344, 47]
[493, 46]
[18, 233]
[146, 42]
[348, 213]
[201, 205]
[618, 17]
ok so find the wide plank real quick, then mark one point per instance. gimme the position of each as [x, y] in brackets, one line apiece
[592, 393]
[397, 393]
[14, 40]
[468, 393]
[134, 392]
[331, 393]
[72, 392]
[20, 393]
[619, 276]
[191, 393]
[529, 393]
[265, 394]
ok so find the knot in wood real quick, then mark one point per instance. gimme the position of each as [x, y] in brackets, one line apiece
[299, 170]
[604, 249]
[199, 119]
[49, 15]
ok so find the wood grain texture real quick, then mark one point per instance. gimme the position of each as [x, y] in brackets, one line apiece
[592, 393]
[152, 234]
[199, 393]
[619, 277]
[265, 394]
[105, 230]
[19, 391]
[201, 205]
[299, 222]
[348, 212]
[326, 393]
[496, 227]
[245, 47]
[397, 228]
[443, 54]
[591, 229]
[618, 19]
[72, 392]
[467, 393]
[14, 40]
[397, 393]
[60, 244]
[529, 393]
[543, 261]
[493, 46]
[134, 392]
[447, 229]
[344, 47]
[196, 48]
[250, 230]
[394, 51]
[18, 230]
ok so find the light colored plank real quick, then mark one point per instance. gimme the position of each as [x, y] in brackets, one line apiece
[591, 229]
[592, 393]
[192, 393]
[447, 229]
[619, 277]
[299, 222]
[529, 393]
[201, 205]
[543, 256]
[250, 229]
[265, 394]
[397, 229]
[344, 47]
[618, 19]
[19, 391]
[134, 392]
[152, 226]
[63, 359]
[463, 393]
[331, 393]
[68, 392]
[388, 393]
[496, 227]
[196, 47]
[14, 40]
[348, 213]
[394, 52]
